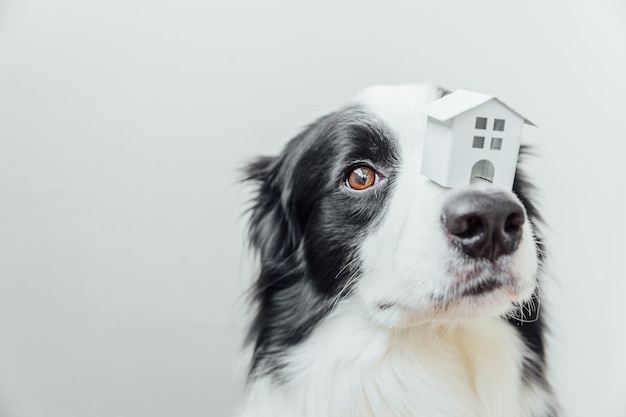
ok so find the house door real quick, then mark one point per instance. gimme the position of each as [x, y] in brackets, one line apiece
[482, 171]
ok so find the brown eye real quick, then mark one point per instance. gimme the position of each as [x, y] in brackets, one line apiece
[361, 178]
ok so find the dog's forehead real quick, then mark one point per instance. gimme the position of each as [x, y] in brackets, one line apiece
[398, 106]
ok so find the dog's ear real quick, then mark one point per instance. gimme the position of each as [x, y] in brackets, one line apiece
[271, 232]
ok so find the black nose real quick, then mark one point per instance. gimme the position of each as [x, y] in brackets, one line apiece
[484, 225]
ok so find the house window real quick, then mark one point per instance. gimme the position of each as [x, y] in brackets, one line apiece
[479, 142]
[496, 143]
[498, 124]
[481, 123]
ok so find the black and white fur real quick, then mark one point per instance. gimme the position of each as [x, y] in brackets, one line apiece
[358, 307]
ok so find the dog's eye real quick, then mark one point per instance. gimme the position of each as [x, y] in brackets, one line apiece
[361, 177]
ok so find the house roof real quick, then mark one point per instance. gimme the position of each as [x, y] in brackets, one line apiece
[459, 102]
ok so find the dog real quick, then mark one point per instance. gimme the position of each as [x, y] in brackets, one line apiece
[381, 293]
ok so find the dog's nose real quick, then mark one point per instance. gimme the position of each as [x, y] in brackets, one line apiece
[484, 225]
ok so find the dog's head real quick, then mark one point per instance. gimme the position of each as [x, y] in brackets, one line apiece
[344, 213]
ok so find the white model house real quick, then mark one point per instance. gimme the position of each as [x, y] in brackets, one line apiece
[471, 137]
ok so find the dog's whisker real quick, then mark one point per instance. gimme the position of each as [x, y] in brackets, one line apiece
[346, 266]
[351, 279]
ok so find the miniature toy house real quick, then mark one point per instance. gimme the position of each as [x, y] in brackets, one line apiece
[471, 137]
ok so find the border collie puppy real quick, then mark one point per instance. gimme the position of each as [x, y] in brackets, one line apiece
[381, 293]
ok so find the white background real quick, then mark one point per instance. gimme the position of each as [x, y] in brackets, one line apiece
[122, 128]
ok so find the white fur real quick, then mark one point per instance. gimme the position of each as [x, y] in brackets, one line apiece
[414, 357]
[353, 368]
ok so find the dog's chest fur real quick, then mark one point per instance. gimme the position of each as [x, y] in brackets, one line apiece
[351, 368]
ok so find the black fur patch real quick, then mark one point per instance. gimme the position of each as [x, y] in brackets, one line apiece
[305, 224]
[531, 325]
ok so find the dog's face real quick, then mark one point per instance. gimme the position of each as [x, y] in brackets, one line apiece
[425, 260]
[345, 207]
